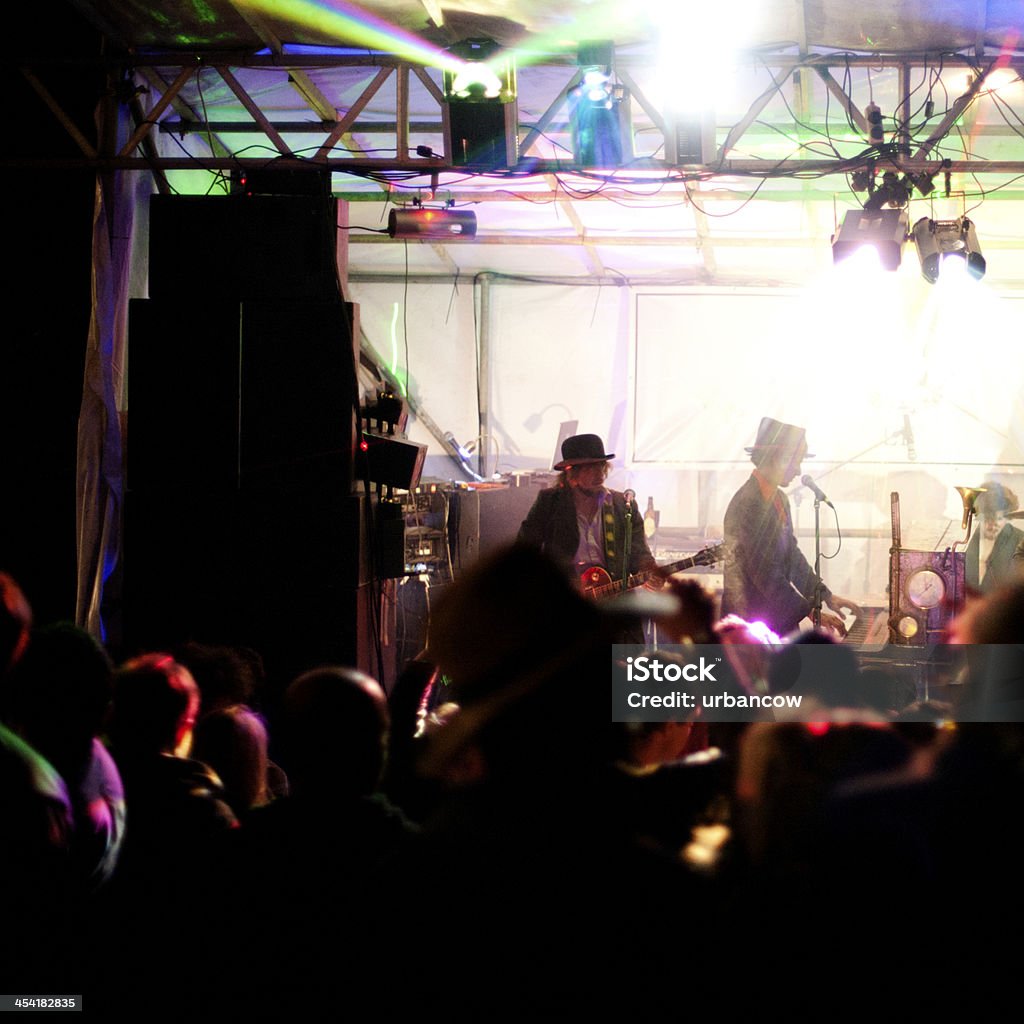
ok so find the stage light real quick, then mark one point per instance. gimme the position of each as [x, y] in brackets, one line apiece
[939, 240]
[480, 73]
[430, 223]
[885, 231]
[481, 122]
[596, 110]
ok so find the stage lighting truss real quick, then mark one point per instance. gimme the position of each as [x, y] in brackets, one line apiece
[939, 240]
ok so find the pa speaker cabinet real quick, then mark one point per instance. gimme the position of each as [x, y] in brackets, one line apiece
[245, 395]
[297, 415]
[183, 396]
[243, 247]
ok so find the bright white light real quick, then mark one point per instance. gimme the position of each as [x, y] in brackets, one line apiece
[474, 74]
[1006, 82]
[860, 267]
[595, 85]
[692, 75]
[858, 313]
[953, 271]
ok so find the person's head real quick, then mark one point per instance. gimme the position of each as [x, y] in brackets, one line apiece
[224, 675]
[779, 450]
[584, 463]
[513, 611]
[645, 742]
[156, 701]
[649, 744]
[60, 691]
[233, 742]
[334, 727]
[748, 649]
[992, 506]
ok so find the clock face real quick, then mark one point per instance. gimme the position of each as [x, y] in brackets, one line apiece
[925, 588]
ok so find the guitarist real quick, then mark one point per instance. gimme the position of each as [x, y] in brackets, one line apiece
[580, 523]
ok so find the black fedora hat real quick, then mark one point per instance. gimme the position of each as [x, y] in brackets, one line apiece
[773, 433]
[581, 450]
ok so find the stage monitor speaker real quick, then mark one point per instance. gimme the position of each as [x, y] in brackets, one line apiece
[391, 461]
[242, 247]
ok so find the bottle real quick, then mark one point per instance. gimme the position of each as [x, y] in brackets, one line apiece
[650, 520]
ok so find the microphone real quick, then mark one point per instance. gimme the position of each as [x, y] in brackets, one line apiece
[461, 455]
[815, 490]
[908, 438]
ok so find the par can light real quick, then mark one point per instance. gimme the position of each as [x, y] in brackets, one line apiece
[425, 222]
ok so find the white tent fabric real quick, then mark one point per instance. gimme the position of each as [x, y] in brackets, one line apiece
[100, 489]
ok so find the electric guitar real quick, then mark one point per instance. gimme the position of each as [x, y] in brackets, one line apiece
[597, 583]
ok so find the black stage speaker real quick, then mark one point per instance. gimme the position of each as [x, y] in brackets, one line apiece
[258, 569]
[240, 525]
[242, 247]
[251, 394]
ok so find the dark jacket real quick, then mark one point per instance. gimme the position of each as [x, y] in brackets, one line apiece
[767, 577]
[551, 526]
[1001, 565]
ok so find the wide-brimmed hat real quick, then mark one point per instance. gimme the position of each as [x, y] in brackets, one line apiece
[995, 498]
[779, 436]
[581, 450]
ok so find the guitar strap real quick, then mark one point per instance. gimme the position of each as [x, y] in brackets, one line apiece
[627, 546]
[609, 532]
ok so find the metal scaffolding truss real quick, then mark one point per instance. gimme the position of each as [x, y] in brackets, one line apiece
[370, 118]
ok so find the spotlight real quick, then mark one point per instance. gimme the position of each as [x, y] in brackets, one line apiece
[430, 223]
[938, 240]
[882, 230]
[596, 109]
[481, 123]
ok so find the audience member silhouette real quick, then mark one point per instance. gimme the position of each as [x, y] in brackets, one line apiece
[229, 736]
[504, 873]
[58, 699]
[305, 859]
[176, 814]
[656, 794]
[37, 892]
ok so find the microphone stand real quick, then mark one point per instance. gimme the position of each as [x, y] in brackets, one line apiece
[818, 583]
[818, 586]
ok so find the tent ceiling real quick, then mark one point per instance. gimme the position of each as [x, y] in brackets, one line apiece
[893, 26]
[220, 86]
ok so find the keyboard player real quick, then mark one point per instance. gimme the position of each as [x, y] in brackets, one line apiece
[767, 578]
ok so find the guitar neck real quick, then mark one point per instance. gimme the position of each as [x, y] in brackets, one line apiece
[640, 578]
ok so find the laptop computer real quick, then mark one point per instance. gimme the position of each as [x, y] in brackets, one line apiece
[567, 429]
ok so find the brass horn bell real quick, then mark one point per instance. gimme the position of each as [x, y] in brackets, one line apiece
[968, 495]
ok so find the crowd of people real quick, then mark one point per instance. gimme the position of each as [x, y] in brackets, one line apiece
[481, 832]
[481, 840]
